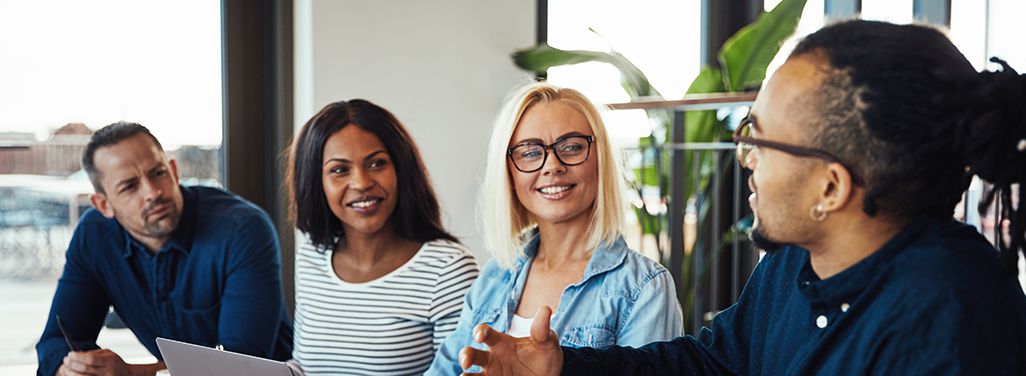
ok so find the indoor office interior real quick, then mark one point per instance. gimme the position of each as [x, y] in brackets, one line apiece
[226, 85]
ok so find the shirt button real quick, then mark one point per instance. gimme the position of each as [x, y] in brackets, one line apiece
[821, 321]
[845, 306]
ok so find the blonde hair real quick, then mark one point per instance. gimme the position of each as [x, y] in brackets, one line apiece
[505, 218]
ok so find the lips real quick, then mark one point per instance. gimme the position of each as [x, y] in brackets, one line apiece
[365, 204]
[555, 190]
[158, 209]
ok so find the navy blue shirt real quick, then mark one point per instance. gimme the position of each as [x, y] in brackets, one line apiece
[217, 281]
[934, 300]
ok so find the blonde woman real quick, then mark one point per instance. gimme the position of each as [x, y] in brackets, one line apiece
[553, 207]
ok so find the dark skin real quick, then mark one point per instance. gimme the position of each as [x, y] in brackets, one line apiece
[835, 242]
[360, 186]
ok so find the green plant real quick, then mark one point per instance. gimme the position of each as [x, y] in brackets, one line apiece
[743, 60]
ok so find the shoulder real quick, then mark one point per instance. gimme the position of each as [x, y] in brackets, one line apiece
[947, 278]
[95, 223]
[637, 272]
[954, 257]
[491, 285]
[213, 204]
[441, 253]
[94, 231]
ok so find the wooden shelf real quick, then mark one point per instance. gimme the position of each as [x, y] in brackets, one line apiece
[692, 102]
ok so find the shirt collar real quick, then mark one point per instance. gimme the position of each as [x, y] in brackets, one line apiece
[607, 256]
[847, 284]
[181, 239]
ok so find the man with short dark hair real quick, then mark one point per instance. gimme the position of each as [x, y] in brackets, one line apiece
[860, 147]
[194, 264]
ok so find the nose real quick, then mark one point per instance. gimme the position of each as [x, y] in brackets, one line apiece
[150, 190]
[552, 163]
[359, 179]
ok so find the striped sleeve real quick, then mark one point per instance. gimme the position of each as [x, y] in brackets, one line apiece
[458, 271]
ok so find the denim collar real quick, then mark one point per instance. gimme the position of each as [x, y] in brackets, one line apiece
[848, 284]
[607, 256]
[181, 238]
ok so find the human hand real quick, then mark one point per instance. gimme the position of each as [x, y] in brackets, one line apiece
[538, 354]
[103, 362]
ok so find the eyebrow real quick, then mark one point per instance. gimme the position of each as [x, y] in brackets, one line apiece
[134, 179]
[343, 160]
[539, 141]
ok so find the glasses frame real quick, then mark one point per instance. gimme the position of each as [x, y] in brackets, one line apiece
[789, 149]
[545, 151]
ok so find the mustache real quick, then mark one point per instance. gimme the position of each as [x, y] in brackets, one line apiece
[153, 206]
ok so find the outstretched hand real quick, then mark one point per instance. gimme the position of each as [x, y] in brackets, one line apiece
[538, 354]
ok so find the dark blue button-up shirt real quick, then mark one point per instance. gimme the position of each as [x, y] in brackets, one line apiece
[217, 281]
[934, 300]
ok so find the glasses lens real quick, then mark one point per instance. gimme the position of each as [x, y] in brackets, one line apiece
[572, 150]
[528, 157]
[744, 149]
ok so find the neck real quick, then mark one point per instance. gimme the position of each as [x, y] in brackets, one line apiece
[370, 249]
[563, 243]
[848, 239]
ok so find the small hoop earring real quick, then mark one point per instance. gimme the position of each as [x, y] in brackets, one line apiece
[822, 214]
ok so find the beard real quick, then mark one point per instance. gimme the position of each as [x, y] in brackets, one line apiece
[158, 229]
[763, 242]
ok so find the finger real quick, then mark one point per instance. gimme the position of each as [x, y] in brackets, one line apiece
[540, 326]
[470, 356]
[486, 335]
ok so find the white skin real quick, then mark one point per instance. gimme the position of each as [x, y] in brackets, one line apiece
[361, 188]
[561, 199]
[785, 188]
[140, 189]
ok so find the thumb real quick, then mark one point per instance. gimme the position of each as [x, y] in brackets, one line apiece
[540, 327]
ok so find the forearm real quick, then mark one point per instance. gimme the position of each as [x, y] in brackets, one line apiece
[146, 369]
[677, 357]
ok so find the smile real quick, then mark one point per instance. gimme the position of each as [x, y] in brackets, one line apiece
[362, 203]
[556, 189]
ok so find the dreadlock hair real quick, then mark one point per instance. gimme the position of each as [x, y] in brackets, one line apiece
[905, 109]
[416, 216]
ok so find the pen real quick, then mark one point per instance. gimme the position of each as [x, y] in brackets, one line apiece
[67, 337]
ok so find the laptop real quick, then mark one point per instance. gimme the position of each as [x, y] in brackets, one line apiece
[186, 359]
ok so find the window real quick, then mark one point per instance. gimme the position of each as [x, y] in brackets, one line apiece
[68, 68]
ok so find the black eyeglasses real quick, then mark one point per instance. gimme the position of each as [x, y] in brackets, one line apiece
[570, 151]
[745, 143]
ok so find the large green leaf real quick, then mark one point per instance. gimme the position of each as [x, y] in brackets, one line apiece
[746, 55]
[541, 57]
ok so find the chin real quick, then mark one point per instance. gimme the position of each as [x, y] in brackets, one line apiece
[763, 242]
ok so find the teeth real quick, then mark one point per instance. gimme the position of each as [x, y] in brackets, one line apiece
[554, 190]
[363, 204]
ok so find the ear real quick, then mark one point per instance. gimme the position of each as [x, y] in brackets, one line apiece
[99, 201]
[174, 169]
[838, 190]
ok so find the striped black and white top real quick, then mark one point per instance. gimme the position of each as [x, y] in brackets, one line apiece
[388, 326]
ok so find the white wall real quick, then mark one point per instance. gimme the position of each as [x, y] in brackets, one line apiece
[442, 67]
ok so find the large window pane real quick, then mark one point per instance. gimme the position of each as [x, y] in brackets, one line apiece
[68, 68]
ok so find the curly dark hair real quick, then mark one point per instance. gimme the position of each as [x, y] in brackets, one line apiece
[906, 110]
[416, 217]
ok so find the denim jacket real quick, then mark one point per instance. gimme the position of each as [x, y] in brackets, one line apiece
[624, 299]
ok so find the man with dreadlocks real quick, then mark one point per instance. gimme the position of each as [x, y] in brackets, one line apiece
[860, 145]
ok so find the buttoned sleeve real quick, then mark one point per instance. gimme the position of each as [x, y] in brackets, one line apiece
[80, 302]
[252, 303]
